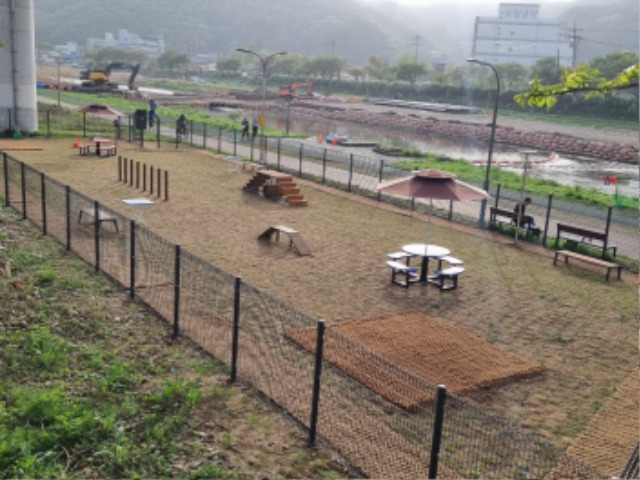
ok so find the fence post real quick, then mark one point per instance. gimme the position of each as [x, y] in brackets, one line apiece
[437, 431]
[84, 124]
[176, 294]
[546, 220]
[219, 139]
[96, 232]
[23, 193]
[5, 173]
[300, 155]
[324, 166]
[251, 150]
[144, 177]
[317, 372]
[132, 259]
[450, 216]
[191, 133]
[67, 194]
[138, 174]
[497, 195]
[380, 173]
[131, 172]
[43, 195]
[279, 153]
[49, 122]
[606, 231]
[159, 189]
[157, 132]
[151, 179]
[350, 171]
[204, 136]
[236, 329]
[235, 142]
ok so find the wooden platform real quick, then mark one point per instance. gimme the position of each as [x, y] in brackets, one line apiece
[295, 239]
[275, 186]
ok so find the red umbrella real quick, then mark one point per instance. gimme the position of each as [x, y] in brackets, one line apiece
[432, 184]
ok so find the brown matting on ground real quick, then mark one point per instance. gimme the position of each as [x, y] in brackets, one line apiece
[7, 144]
[419, 344]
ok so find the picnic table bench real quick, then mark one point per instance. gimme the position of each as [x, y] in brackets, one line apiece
[584, 237]
[509, 217]
[88, 214]
[586, 258]
[104, 150]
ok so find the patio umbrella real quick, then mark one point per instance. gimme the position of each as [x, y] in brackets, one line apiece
[432, 184]
[101, 109]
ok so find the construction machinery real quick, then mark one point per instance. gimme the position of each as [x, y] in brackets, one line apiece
[99, 79]
[297, 91]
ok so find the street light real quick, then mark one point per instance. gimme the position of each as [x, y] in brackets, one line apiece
[264, 61]
[485, 185]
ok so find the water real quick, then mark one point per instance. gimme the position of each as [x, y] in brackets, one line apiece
[566, 170]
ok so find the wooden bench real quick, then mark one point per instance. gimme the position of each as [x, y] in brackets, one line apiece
[411, 274]
[584, 237]
[102, 218]
[447, 278]
[85, 149]
[295, 239]
[587, 259]
[509, 217]
[108, 150]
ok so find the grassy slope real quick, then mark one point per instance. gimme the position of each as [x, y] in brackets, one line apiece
[93, 386]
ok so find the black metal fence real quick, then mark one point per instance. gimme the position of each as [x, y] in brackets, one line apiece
[361, 174]
[254, 334]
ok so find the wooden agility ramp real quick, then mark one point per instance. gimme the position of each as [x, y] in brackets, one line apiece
[295, 238]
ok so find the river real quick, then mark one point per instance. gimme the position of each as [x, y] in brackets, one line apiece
[566, 170]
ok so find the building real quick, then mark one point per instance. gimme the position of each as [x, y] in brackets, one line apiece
[518, 35]
[152, 45]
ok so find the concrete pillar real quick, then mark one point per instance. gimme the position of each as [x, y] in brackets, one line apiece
[18, 101]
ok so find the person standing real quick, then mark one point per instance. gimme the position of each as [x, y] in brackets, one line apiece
[523, 220]
[245, 129]
[254, 129]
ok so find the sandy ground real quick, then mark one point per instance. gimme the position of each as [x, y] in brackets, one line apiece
[566, 320]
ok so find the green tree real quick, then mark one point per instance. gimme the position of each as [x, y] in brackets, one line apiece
[172, 60]
[409, 70]
[326, 66]
[229, 64]
[512, 74]
[610, 65]
[546, 70]
[377, 68]
[582, 79]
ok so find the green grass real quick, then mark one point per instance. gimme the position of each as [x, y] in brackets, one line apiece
[90, 389]
[475, 173]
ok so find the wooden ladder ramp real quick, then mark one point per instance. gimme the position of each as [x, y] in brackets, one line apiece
[295, 238]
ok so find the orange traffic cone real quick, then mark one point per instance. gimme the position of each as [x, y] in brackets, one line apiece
[76, 144]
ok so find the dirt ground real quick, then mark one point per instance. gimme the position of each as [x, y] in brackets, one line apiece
[579, 330]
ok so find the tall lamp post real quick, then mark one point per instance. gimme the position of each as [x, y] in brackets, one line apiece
[264, 61]
[485, 185]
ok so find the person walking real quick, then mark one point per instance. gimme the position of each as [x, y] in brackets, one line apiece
[254, 129]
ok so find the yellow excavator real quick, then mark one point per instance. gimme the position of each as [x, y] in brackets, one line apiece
[99, 79]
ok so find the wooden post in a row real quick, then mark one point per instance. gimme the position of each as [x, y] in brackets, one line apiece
[130, 176]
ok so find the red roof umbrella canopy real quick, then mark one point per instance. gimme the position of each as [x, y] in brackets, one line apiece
[433, 184]
[101, 109]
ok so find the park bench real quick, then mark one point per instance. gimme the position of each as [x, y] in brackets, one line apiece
[587, 259]
[447, 278]
[509, 217]
[584, 236]
[411, 274]
[85, 149]
[108, 150]
[87, 216]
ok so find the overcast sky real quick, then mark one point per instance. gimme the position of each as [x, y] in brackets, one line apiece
[431, 2]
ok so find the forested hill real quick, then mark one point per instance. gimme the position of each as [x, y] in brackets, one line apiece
[310, 27]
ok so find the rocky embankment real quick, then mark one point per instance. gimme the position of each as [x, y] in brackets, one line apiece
[539, 140]
[423, 122]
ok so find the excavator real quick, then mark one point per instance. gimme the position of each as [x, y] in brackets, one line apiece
[98, 79]
[297, 91]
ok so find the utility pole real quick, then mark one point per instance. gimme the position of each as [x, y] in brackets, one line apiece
[416, 44]
[574, 44]
[332, 44]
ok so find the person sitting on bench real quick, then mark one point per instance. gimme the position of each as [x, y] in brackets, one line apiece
[524, 221]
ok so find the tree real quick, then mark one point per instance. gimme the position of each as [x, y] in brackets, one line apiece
[610, 65]
[546, 69]
[229, 64]
[512, 74]
[377, 68]
[172, 60]
[409, 70]
[582, 79]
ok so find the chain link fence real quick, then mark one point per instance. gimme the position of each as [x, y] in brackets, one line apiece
[277, 349]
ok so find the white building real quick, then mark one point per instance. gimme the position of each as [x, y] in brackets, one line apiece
[518, 35]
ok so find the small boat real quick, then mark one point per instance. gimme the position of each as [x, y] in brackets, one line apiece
[336, 139]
